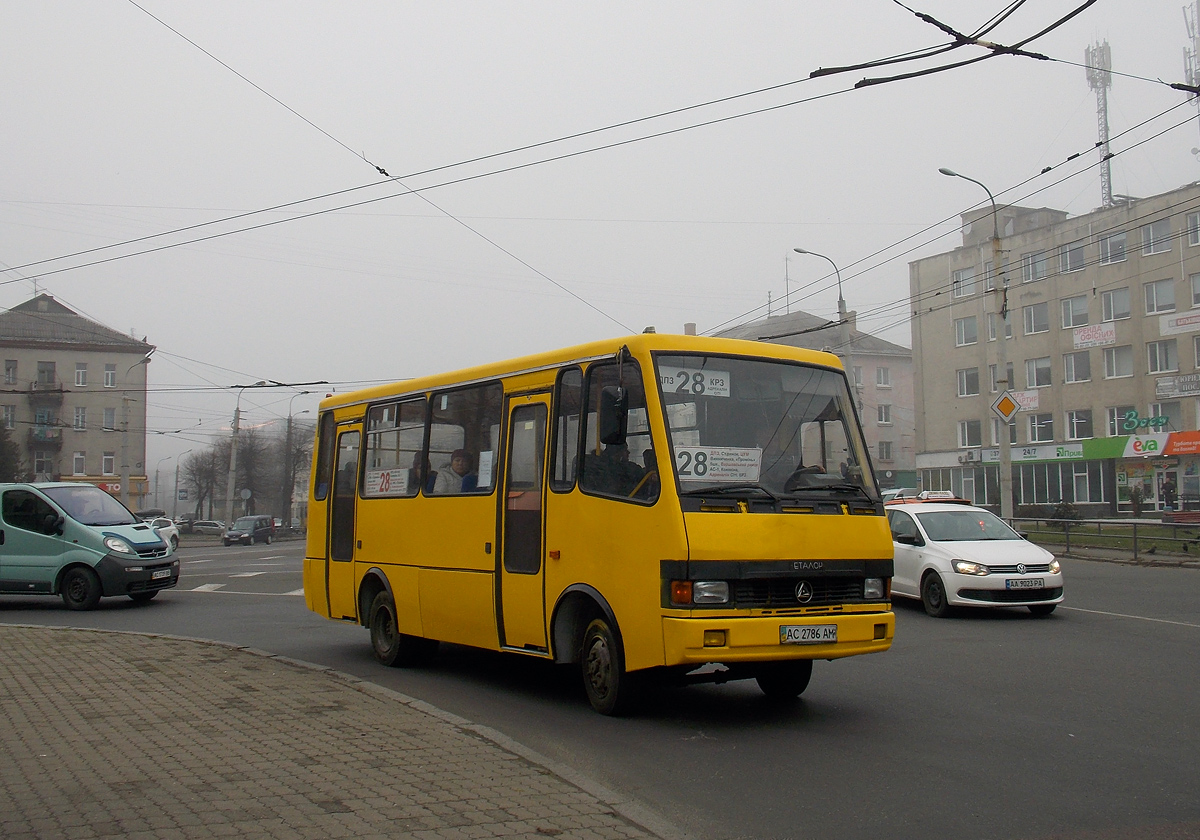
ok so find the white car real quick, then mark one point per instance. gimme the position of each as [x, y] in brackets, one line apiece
[166, 529]
[949, 555]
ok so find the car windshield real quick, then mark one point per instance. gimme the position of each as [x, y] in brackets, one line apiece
[965, 525]
[90, 505]
[743, 424]
[244, 523]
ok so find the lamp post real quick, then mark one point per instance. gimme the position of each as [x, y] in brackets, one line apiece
[175, 504]
[125, 400]
[289, 476]
[232, 477]
[156, 466]
[1006, 495]
[843, 325]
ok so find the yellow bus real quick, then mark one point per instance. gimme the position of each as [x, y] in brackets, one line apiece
[649, 508]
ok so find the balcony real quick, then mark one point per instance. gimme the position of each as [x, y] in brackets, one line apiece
[45, 437]
[46, 393]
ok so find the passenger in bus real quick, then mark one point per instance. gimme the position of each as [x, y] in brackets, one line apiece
[414, 474]
[456, 476]
[611, 472]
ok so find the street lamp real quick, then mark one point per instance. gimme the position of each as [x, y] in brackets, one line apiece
[156, 466]
[289, 475]
[175, 504]
[1006, 496]
[125, 400]
[843, 321]
[229, 482]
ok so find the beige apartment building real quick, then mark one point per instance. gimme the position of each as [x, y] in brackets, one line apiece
[883, 378]
[1101, 350]
[74, 398]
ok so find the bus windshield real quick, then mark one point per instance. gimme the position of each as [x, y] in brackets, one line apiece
[781, 429]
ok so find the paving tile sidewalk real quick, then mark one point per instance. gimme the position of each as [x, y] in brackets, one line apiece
[148, 737]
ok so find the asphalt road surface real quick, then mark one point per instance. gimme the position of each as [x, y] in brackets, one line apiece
[990, 724]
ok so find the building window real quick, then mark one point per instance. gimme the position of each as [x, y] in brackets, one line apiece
[1196, 348]
[885, 450]
[969, 433]
[965, 331]
[110, 376]
[1070, 256]
[993, 321]
[1170, 410]
[109, 464]
[1034, 267]
[857, 376]
[1115, 304]
[1161, 356]
[1012, 431]
[1077, 367]
[1160, 297]
[80, 374]
[1193, 228]
[1037, 318]
[1037, 372]
[43, 462]
[883, 377]
[1118, 362]
[968, 382]
[1116, 417]
[43, 417]
[79, 464]
[1112, 248]
[10, 371]
[10, 416]
[884, 412]
[1079, 424]
[46, 373]
[963, 282]
[989, 276]
[995, 383]
[110, 419]
[1156, 237]
[1075, 312]
[1195, 281]
[80, 417]
[1041, 428]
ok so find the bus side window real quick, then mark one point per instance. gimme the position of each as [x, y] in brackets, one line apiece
[568, 403]
[325, 450]
[628, 470]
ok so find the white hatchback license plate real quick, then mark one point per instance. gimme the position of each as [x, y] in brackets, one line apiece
[157, 574]
[807, 634]
[1025, 583]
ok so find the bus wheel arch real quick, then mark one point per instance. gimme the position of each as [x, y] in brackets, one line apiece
[373, 582]
[577, 607]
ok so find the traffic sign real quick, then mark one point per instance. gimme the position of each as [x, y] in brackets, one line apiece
[1006, 406]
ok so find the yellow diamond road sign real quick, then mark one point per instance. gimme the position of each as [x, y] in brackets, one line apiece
[1006, 406]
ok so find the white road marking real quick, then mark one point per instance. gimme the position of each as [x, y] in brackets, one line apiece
[295, 592]
[214, 588]
[208, 587]
[248, 574]
[1137, 617]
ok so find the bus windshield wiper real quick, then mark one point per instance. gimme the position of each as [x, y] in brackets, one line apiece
[837, 488]
[726, 489]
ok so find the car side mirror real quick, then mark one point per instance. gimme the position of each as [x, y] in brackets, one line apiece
[909, 539]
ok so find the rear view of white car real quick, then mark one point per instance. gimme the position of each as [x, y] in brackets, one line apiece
[949, 555]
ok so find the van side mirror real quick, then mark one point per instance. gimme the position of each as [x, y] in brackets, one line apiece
[614, 414]
[53, 524]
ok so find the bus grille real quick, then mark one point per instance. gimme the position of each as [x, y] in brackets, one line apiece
[781, 592]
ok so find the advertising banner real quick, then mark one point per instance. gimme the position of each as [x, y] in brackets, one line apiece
[1095, 335]
[1178, 324]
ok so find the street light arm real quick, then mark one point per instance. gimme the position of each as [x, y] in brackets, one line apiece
[995, 215]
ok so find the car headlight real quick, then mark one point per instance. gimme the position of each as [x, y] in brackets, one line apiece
[1055, 567]
[966, 567]
[873, 589]
[114, 544]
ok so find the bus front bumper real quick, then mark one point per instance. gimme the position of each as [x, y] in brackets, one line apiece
[697, 640]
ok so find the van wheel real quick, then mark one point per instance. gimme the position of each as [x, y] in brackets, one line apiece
[143, 597]
[391, 647]
[610, 688]
[268, 539]
[81, 588]
[785, 680]
[174, 543]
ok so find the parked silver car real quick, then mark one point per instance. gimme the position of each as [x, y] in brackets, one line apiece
[208, 526]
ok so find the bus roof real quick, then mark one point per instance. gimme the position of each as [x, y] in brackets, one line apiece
[638, 343]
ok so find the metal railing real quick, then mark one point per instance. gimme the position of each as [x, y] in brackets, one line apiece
[1139, 536]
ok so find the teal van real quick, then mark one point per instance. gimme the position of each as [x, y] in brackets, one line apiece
[77, 541]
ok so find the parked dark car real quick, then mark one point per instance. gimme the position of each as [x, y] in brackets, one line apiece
[249, 530]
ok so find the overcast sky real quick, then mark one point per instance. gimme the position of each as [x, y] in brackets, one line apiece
[123, 121]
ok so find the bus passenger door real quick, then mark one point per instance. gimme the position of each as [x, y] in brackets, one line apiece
[339, 571]
[522, 573]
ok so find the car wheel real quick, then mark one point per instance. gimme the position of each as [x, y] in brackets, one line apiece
[268, 539]
[933, 595]
[390, 646]
[610, 688]
[143, 597]
[785, 680]
[81, 588]
[1042, 609]
[227, 543]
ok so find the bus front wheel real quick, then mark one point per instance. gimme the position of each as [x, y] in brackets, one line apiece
[391, 647]
[785, 680]
[610, 688]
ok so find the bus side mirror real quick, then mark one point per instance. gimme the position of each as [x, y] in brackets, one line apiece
[614, 414]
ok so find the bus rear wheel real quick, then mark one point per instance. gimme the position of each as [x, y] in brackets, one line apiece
[610, 688]
[391, 647]
[785, 680]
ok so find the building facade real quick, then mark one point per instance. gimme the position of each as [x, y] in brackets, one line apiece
[883, 379]
[74, 398]
[1099, 346]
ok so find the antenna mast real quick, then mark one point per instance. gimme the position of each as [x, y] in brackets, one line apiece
[1191, 64]
[1098, 59]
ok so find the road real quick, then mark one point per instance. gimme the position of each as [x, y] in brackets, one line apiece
[1083, 725]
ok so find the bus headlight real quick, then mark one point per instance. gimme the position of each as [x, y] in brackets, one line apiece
[710, 592]
[873, 589]
[966, 567]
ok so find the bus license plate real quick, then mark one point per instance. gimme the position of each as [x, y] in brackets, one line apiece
[1025, 583]
[807, 634]
[160, 573]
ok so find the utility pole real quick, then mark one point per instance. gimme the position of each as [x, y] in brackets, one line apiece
[175, 503]
[125, 398]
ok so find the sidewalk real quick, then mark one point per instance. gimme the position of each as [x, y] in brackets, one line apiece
[147, 737]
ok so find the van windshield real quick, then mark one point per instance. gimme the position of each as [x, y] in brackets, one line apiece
[90, 505]
[245, 523]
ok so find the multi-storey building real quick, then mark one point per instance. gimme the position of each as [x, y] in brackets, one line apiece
[1100, 347]
[883, 379]
[74, 397]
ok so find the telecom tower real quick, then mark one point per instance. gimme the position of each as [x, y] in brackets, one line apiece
[1191, 65]
[1099, 65]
